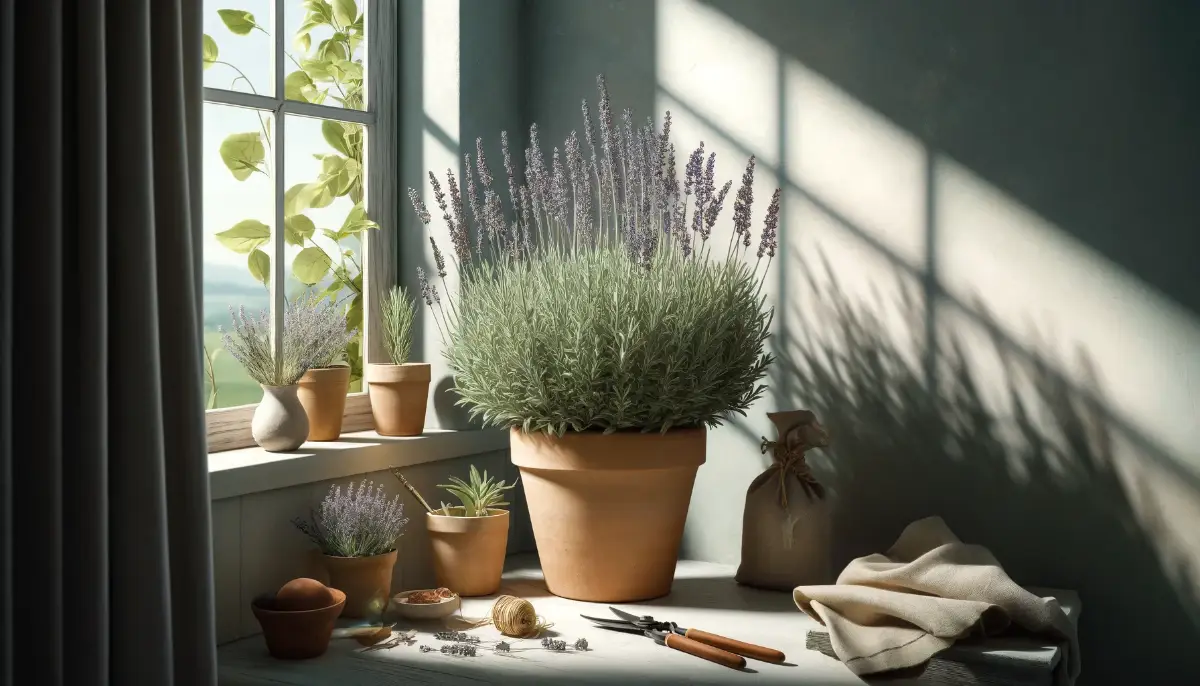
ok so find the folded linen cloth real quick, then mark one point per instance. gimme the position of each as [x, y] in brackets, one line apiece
[930, 589]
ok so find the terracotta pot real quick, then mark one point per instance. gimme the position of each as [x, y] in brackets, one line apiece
[297, 635]
[399, 393]
[468, 552]
[323, 394]
[366, 581]
[279, 423]
[608, 510]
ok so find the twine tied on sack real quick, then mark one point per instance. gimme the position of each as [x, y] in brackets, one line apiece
[789, 456]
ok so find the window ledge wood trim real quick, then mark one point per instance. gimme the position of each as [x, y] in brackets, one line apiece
[229, 429]
[236, 473]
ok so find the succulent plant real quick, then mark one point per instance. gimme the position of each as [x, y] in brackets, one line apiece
[477, 497]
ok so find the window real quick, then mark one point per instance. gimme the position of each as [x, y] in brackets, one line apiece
[292, 202]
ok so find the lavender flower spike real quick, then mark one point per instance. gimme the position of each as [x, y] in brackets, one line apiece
[485, 176]
[741, 205]
[424, 284]
[419, 206]
[769, 240]
[438, 260]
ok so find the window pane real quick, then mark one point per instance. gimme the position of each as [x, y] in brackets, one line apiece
[238, 46]
[324, 177]
[239, 209]
[328, 41]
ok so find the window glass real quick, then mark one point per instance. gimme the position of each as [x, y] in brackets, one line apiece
[326, 222]
[239, 210]
[327, 44]
[238, 46]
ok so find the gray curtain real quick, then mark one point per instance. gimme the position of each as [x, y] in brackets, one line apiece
[105, 550]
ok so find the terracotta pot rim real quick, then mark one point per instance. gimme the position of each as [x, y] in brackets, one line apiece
[398, 364]
[678, 449]
[339, 599]
[492, 514]
[678, 430]
[359, 557]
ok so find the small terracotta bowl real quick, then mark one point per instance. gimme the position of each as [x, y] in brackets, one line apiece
[297, 634]
[438, 610]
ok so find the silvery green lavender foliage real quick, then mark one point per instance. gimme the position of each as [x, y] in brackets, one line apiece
[595, 300]
[398, 313]
[355, 522]
[314, 334]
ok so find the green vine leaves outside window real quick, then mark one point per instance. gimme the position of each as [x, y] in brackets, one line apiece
[326, 71]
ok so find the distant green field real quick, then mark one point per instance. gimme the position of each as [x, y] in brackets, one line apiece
[234, 386]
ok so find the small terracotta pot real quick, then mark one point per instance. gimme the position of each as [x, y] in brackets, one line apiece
[608, 510]
[468, 552]
[279, 423]
[399, 393]
[322, 392]
[297, 634]
[366, 581]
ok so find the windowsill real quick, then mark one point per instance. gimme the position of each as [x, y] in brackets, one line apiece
[234, 473]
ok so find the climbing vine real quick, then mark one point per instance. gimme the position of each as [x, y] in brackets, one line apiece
[326, 71]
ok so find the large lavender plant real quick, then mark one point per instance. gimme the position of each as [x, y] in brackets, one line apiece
[314, 334]
[355, 522]
[595, 300]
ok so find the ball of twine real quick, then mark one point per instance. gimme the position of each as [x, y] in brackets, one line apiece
[516, 617]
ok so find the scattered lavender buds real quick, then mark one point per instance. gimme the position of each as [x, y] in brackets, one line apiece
[554, 644]
[581, 644]
[356, 522]
[426, 649]
[503, 647]
[459, 650]
[458, 636]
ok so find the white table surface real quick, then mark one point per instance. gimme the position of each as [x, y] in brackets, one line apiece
[704, 596]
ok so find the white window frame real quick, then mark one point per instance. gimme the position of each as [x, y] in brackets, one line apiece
[229, 428]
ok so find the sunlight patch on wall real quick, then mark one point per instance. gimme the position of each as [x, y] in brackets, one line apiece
[855, 161]
[1040, 283]
[687, 131]
[439, 64]
[723, 71]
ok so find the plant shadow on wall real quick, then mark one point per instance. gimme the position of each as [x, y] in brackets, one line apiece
[1036, 482]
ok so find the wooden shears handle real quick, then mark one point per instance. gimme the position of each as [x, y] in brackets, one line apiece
[737, 647]
[706, 651]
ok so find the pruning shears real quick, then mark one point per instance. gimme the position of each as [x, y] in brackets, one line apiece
[719, 649]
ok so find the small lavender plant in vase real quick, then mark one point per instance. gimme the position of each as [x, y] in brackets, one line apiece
[399, 391]
[312, 330]
[600, 319]
[356, 530]
[468, 541]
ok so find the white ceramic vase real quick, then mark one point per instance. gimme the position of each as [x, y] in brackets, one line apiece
[280, 423]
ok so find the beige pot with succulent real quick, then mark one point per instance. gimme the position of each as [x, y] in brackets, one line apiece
[399, 391]
[356, 531]
[469, 541]
[314, 330]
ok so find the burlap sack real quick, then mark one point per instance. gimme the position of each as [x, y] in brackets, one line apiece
[786, 525]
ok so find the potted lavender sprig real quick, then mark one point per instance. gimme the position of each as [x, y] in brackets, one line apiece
[323, 387]
[400, 390]
[356, 532]
[597, 321]
[310, 333]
